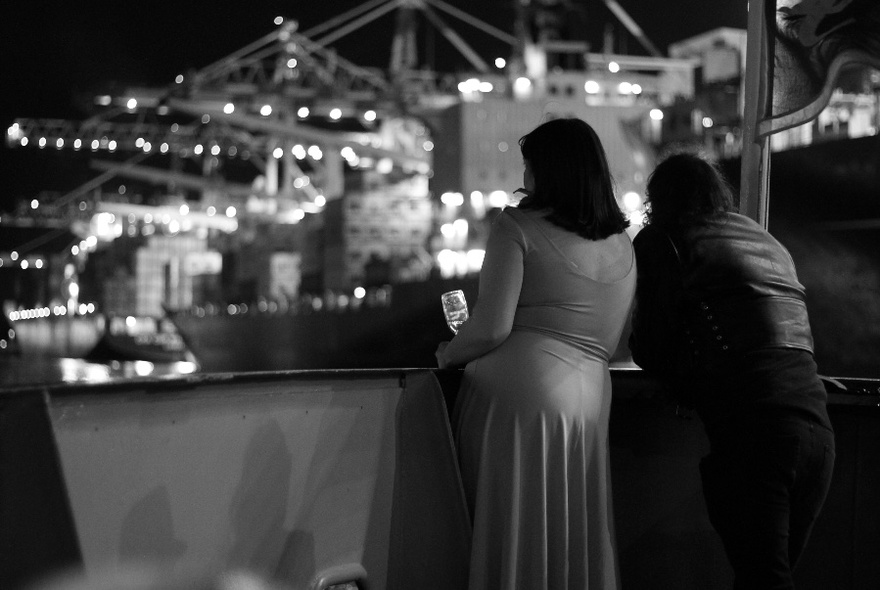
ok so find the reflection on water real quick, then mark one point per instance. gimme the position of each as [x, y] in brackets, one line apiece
[25, 371]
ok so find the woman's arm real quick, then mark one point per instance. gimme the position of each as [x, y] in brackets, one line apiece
[500, 282]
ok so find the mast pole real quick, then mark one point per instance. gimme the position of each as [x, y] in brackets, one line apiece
[755, 172]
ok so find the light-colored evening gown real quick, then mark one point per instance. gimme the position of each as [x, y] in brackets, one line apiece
[531, 419]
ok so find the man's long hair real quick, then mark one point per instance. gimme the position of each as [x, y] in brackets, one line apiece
[686, 189]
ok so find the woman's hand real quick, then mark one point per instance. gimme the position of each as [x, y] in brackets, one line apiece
[441, 357]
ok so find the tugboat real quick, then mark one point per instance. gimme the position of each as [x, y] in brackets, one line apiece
[155, 340]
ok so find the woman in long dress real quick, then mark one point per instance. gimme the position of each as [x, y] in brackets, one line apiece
[531, 418]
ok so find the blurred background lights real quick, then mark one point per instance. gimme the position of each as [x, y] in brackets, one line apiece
[384, 166]
[498, 199]
[303, 112]
[708, 122]
[469, 85]
[446, 263]
[478, 204]
[656, 114]
[500, 62]
[522, 86]
[370, 115]
[475, 259]
[632, 201]
[229, 108]
[452, 199]
[143, 368]
[132, 104]
[335, 114]
[591, 86]
[266, 110]
[613, 67]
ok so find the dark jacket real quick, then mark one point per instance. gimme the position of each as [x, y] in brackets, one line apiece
[710, 294]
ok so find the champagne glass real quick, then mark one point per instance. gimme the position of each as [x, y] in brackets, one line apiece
[455, 309]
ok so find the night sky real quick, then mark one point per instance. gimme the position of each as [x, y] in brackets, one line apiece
[57, 55]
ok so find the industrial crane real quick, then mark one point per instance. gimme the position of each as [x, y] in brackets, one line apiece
[261, 102]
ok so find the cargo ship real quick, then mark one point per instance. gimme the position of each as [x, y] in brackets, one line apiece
[376, 192]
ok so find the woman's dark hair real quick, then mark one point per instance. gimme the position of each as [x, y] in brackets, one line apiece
[572, 179]
[686, 189]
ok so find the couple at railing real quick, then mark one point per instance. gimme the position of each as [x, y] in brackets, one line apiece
[711, 298]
